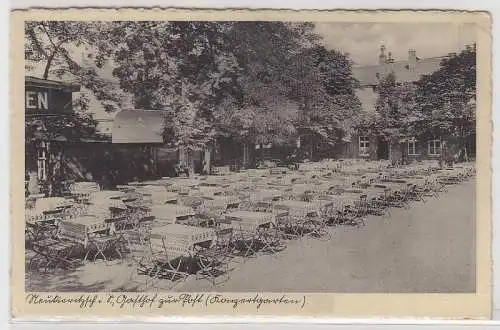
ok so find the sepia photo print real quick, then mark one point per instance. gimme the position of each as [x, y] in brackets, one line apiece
[243, 156]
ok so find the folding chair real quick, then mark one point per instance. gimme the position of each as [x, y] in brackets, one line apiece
[167, 261]
[399, 199]
[314, 225]
[350, 215]
[101, 243]
[57, 253]
[245, 240]
[269, 237]
[287, 227]
[213, 262]
[361, 209]
[137, 253]
[291, 225]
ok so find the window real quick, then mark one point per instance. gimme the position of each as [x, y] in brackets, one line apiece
[412, 147]
[42, 161]
[364, 144]
[434, 147]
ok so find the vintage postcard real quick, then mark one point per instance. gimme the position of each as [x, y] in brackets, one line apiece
[270, 163]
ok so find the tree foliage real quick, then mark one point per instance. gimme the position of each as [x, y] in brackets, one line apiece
[68, 50]
[262, 82]
[240, 79]
[447, 97]
[438, 104]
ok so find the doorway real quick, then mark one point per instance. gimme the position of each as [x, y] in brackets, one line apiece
[382, 148]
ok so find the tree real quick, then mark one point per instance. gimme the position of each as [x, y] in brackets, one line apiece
[395, 101]
[59, 47]
[322, 83]
[254, 81]
[182, 68]
[210, 78]
[447, 99]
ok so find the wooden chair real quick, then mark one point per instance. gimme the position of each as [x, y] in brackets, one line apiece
[166, 261]
[213, 262]
[138, 250]
[60, 252]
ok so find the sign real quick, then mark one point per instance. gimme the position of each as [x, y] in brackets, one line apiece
[46, 100]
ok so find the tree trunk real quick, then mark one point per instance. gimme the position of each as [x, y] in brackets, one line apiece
[246, 156]
[207, 165]
[47, 65]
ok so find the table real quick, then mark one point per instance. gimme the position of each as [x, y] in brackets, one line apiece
[253, 227]
[250, 220]
[279, 170]
[299, 208]
[183, 236]
[170, 213]
[343, 200]
[95, 234]
[158, 195]
[301, 188]
[307, 217]
[394, 186]
[265, 194]
[370, 192]
[84, 187]
[89, 223]
[221, 202]
[41, 224]
[208, 191]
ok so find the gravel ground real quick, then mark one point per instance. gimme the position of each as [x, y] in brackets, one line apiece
[428, 248]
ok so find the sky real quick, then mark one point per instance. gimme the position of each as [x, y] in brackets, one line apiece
[363, 40]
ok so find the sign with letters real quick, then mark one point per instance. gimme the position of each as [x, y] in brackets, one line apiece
[47, 100]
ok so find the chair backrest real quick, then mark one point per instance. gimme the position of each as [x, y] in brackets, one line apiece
[73, 232]
[224, 236]
[137, 240]
[174, 249]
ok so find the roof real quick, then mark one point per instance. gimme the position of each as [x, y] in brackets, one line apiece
[138, 126]
[368, 98]
[54, 84]
[367, 75]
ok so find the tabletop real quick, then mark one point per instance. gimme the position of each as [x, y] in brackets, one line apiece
[265, 194]
[250, 220]
[184, 234]
[170, 212]
[300, 208]
[92, 223]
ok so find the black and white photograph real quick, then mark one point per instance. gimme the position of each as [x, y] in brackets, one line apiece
[250, 156]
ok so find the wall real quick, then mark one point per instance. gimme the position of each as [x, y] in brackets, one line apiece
[108, 163]
[453, 144]
[351, 149]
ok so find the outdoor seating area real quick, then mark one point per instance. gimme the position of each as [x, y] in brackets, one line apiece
[172, 229]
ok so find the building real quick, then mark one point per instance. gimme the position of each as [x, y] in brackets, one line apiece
[377, 146]
[56, 139]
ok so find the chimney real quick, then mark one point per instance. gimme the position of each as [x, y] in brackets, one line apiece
[412, 58]
[382, 59]
[389, 58]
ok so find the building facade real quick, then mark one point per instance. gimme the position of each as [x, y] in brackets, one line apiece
[370, 145]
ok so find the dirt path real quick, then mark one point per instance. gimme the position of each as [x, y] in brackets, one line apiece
[428, 248]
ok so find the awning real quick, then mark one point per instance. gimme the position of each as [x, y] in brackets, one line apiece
[53, 84]
[49, 129]
[138, 126]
